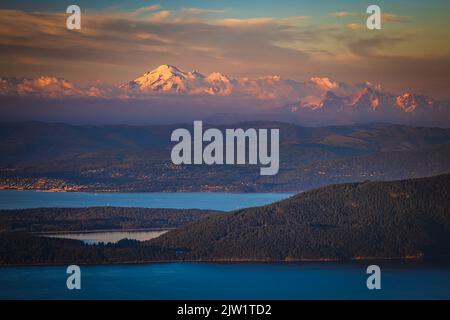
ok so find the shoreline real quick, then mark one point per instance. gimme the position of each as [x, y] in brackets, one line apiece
[247, 261]
[99, 231]
[137, 192]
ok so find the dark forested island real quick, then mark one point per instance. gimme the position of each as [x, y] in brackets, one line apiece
[96, 218]
[409, 218]
[367, 220]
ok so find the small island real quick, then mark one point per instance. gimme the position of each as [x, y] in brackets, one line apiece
[408, 219]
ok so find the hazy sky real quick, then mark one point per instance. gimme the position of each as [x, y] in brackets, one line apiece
[294, 39]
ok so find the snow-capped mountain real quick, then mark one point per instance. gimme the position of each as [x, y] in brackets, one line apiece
[167, 78]
[366, 98]
[170, 79]
[325, 101]
[410, 102]
[219, 84]
[369, 99]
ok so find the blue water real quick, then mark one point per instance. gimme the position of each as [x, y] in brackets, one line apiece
[11, 199]
[400, 280]
[228, 281]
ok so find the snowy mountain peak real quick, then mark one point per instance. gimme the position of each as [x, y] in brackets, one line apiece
[368, 98]
[168, 78]
[166, 71]
[164, 78]
[327, 100]
[410, 102]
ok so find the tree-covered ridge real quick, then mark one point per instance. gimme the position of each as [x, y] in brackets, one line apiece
[369, 219]
[25, 249]
[399, 219]
[96, 218]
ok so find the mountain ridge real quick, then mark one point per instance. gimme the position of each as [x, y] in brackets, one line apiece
[396, 219]
[42, 156]
[317, 101]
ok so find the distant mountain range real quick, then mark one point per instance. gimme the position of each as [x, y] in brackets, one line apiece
[44, 156]
[317, 93]
[318, 101]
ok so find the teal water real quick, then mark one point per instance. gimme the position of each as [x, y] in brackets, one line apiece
[400, 280]
[228, 281]
[11, 199]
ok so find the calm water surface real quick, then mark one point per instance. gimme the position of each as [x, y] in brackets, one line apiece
[405, 280]
[228, 281]
[11, 199]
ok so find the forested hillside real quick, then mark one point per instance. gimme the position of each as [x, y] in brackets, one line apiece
[95, 218]
[369, 219]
